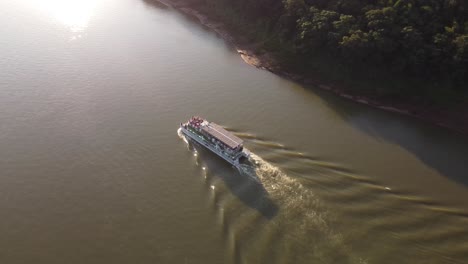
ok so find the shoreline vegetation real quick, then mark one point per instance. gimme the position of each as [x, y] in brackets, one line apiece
[441, 106]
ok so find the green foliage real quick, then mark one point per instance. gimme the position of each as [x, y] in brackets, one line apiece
[314, 28]
[414, 39]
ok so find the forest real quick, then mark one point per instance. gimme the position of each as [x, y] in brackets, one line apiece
[424, 42]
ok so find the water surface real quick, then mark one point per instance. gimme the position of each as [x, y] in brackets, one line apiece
[93, 171]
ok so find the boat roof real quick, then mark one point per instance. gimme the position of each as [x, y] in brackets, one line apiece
[222, 135]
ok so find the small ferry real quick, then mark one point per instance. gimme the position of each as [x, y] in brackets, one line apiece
[217, 139]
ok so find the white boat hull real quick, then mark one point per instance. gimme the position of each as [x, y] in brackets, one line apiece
[233, 161]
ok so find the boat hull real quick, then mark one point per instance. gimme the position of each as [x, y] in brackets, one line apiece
[235, 162]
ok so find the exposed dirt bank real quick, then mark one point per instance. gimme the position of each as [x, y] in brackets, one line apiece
[454, 118]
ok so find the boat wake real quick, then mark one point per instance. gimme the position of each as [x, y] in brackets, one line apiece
[310, 210]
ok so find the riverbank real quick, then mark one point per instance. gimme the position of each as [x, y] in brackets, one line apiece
[453, 118]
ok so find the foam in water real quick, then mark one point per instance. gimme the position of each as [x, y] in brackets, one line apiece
[318, 211]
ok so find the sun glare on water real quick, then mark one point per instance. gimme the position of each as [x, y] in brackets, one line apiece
[73, 14]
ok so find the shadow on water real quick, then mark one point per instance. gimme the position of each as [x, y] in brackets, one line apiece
[441, 149]
[189, 20]
[244, 184]
[193, 20]
[155, 4]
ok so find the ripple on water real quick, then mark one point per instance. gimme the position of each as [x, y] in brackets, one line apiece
[324, 212]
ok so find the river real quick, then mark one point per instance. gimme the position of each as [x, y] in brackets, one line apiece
[93, 170]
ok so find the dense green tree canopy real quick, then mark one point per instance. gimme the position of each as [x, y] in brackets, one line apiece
[426, 39]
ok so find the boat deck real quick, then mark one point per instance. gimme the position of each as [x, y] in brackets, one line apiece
[222, 135]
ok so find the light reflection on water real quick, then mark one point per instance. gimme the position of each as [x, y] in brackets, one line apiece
[72, 14]
[91, 170]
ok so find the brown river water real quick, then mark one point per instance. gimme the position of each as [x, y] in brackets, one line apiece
[92, 169]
